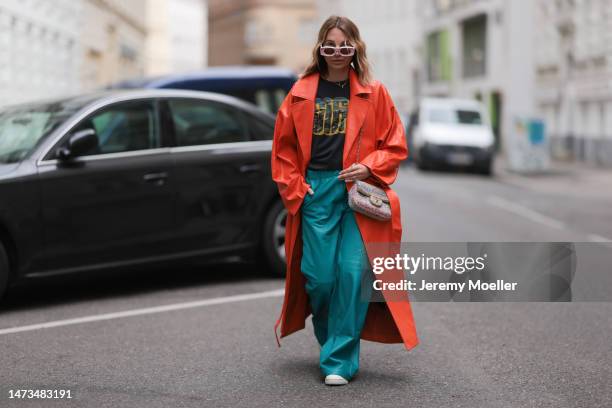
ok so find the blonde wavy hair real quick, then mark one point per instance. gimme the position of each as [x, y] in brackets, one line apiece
[359, 61]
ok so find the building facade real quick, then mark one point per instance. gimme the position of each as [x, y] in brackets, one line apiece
[177, 36]
[574, 77]
[261, 32]
[550, 60]
[39, 49]
[112, 36]
[482, 49]
[53, 49]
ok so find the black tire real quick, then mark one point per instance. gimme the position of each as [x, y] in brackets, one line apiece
[273, 239]
[4, 270]
[485, 168]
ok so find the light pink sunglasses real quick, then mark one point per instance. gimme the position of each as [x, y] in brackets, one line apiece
[330, 50]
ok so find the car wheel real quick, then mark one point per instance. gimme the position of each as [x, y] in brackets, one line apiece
[274, 239]
[4, 270]
[486, 168]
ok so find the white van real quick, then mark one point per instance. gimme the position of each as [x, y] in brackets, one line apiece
[455, 132]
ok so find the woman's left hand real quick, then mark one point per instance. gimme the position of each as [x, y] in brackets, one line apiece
[356, 171]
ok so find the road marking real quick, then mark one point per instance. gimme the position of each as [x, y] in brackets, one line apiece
[600, 240]
[525, 212]
[541, 218]
[144, 311]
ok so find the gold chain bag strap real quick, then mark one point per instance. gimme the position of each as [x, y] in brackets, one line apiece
[369, 199]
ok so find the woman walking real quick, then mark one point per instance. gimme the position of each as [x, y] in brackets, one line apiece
[337, 126]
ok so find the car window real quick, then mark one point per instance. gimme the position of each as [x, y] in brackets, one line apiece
[22, 127]
[454, 116]
[198, 122]
[270, 100]
[441, 116]
[469, 117]
[123, 127]
[260, 130]
[262, 100]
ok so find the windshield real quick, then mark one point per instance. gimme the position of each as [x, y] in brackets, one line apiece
[23, 126]
[455, 116]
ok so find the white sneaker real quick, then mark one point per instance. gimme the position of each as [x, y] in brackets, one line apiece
[334, 379]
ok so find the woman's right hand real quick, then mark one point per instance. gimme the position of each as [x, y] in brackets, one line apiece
[310, 191]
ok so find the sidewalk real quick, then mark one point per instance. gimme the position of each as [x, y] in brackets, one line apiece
[572, 178]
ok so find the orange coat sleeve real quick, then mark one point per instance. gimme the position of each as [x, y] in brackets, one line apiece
[292, 186]
[391, 147]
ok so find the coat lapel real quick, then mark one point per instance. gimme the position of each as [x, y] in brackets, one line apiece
[359, 103]
[303, 106]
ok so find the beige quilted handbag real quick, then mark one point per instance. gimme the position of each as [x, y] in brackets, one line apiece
[369, 199]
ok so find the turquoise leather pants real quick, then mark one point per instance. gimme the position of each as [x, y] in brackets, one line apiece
[332, 262]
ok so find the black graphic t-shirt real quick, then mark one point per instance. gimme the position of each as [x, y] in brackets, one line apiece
[331, 108]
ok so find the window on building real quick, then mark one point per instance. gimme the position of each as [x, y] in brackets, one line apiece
[438, 56]
[474, 59]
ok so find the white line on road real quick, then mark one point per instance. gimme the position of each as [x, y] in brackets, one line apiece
[525, 212]
[144, 311]
[600, 240]
[541, 218]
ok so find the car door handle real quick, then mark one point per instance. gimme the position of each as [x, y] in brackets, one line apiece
[250, 168]
[157, 178]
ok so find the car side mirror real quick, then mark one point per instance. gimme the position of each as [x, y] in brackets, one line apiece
[78, 143]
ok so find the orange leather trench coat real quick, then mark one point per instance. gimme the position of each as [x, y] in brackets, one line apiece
[383, 147]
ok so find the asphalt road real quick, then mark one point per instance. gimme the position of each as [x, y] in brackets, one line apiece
[202, 336]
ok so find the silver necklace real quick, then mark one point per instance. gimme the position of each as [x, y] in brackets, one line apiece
[341, 84]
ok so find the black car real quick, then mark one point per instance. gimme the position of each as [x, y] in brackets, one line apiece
[131, 177]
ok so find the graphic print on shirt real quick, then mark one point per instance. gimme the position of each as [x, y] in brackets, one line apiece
[329, 126]
[330, 116]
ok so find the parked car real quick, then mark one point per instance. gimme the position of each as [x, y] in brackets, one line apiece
[264, 86]
[453, 132]
[133, 177]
